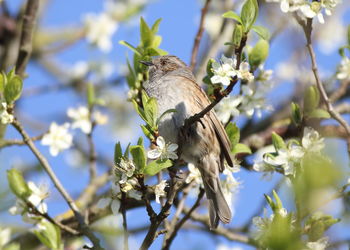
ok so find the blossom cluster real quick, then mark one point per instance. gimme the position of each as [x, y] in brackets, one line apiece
[289, 158]
[33, 204]
[252, 97]
[309, 9]
[99, 28]
[59, 138]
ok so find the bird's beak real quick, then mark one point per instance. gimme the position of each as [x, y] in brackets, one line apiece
[147, 63]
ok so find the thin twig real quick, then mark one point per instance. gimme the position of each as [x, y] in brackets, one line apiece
[227, 233]
[307, 28]
[52, 220]
[164, 213]
[182, 221]
[45, 164]
[25, 46]
[199, 35]
[16, 142]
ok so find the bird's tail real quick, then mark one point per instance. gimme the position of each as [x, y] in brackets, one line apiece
[218, 207]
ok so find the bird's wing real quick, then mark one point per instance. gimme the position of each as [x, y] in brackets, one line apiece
[219, 129]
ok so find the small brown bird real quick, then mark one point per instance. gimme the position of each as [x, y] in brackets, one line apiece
[206, 144]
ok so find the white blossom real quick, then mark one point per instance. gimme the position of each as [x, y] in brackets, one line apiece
[244, 73]
[19, 207]
[99, 118]
[126, 167]
[344, 69]
[228, 107]
[5, 117]
[307, 8]
[5, 236]
[194, 175]
[312, 141]
[163, 150]
[37, 196]
[312, 10]
[81, 118]
[99, 30]
[320, 244]
[288, 159]
[224, 71]
[253, 101]
[58, 138]
[225, 247]
[229, 185]
[159, 190]
[108, 201]
[79, 70]
[36, 199]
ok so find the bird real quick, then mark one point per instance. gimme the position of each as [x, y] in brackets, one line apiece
[205, 143]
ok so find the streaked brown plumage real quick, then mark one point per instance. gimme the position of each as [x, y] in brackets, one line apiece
[206, 144]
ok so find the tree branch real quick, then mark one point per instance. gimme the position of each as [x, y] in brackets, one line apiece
[199, 35]
[45, 164]
[187, 216]
[307, 28]
[164, 213]
[25, 46]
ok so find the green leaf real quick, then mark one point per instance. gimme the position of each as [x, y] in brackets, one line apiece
[90, 94]
[135, 50]
[148, 132]
[161, 52]
[270, 202]
[232, 15]
[146, 34]
[139, 110]
[151, 112]
[155, 167]
[140, 141]
[144, 97]
[49, 235]
[348, 35]
[279, 204]
[17, 183]
[237, 35]
[210, 66]
[126, 153]
[278, 142]
[155, 26]
[311, 99]
[262, 32]
[166, 112]
[241, 148]
[13, 89]
[11, 73]
[3, 81]
[233, 134]
[259, 53]
[138, 156]
[297, 115]
[319, 113]
[118, 154]
[156, 42]
[249, 14]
